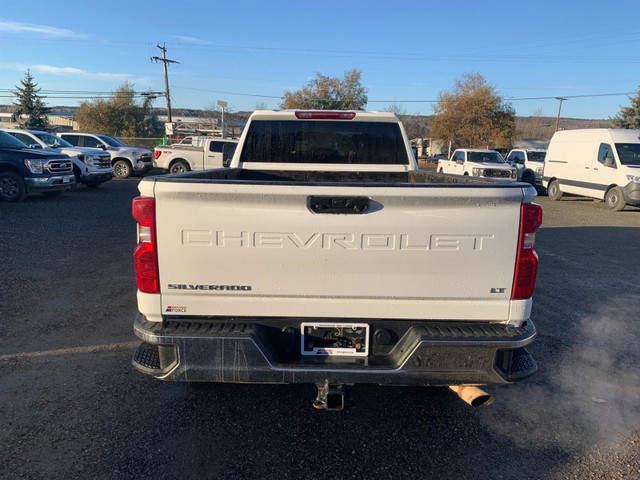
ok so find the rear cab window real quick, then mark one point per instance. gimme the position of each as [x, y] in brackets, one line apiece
[324, 142]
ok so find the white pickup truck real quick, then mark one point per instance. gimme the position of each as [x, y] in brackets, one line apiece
[324, 255]
[125, 160]
[530, 165]
[205, 153]
[478, 163]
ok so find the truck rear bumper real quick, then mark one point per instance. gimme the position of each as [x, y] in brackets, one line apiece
[427, 353]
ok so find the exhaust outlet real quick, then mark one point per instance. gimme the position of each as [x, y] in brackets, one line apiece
[474, 396]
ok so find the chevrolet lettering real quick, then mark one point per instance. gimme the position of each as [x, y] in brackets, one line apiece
[347, 241]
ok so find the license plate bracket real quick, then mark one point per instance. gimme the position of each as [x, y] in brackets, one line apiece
[334, 339]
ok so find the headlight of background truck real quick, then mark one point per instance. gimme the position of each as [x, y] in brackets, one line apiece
[87, 159]
[477, 172]
[514, 174]
[33, 164]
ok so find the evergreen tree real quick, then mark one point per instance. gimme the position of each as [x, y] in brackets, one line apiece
[30, 104]
[629, 117]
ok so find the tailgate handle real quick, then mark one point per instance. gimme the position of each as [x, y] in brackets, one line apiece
[343, 205]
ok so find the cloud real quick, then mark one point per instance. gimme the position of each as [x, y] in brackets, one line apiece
[192, 40]
[20, 27]
[74, 72]
[78, 72]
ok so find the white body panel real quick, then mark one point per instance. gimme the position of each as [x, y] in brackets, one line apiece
[572, 160]
[429, 253]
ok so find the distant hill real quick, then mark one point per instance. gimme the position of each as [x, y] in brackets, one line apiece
[417, 125]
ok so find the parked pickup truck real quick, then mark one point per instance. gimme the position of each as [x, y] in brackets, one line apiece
[125, 160]
[324, 255]
[529, 163]
[91, 166]
[478, 163]
[210, 152]
[24, 171]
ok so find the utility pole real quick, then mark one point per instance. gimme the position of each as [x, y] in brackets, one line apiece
[165, 60]
[561, 99]
[223, 129]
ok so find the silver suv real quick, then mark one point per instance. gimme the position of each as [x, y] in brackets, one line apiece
[125, 160]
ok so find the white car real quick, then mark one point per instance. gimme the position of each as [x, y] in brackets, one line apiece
[478, 163]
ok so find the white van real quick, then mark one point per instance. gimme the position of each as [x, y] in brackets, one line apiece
[602, 163]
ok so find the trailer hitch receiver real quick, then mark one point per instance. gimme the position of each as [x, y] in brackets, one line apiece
[332, 396]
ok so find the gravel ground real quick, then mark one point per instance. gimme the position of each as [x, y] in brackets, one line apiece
[73, 407]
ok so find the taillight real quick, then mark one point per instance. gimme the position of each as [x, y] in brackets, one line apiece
[324, 115]
[156, 154]
[524, 278]
[145, 254]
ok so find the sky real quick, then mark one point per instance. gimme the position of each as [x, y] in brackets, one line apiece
[248, 53]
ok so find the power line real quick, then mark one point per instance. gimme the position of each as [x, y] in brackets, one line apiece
[229, 93]
[89, 94]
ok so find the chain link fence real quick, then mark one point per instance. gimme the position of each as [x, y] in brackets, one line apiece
[142, 142]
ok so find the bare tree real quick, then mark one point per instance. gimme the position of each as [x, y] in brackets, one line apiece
[396, 108]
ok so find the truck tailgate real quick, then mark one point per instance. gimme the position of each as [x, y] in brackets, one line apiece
[419, 252]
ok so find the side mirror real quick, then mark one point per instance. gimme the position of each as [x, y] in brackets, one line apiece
[460, 161]
[35, 146]
[609, 162]
[226, 160]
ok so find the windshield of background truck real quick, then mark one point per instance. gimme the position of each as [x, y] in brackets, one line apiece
[485, 157]
[536, 156]
[9, 141]
[312, 141]
[52, 140]
[629, 154]
[112, 142]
